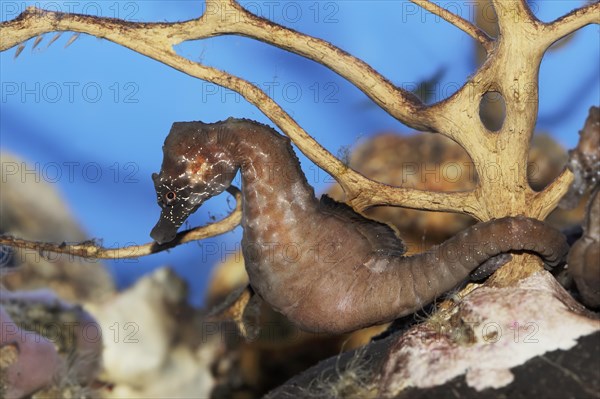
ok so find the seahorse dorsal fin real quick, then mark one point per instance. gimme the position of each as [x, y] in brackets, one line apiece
[380, 235]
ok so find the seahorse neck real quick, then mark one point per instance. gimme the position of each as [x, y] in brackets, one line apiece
[276, 194]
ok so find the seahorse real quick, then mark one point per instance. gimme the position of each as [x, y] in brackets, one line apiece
[318, 262]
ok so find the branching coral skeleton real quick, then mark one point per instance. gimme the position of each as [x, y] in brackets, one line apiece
[95, 251]
[511, 69]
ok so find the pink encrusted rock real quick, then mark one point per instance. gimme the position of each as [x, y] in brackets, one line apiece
[492, 330]
[72, 330]
[35, 362]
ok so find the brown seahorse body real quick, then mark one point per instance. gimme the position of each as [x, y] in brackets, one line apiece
[584, 162]
[325, 267]
[584, 257]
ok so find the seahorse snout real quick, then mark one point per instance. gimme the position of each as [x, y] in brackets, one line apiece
[164, 231]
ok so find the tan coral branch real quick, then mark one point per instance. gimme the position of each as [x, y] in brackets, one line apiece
[548, 199]
[230, 18]
[456, 117]
[567, 24]
[155, 41]
[478, 34]
[94, 251]
[513, 13]
[401, 104]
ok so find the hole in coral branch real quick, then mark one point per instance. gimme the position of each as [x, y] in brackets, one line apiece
[492, 110]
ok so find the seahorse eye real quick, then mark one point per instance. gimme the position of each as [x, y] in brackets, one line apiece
[170, 197]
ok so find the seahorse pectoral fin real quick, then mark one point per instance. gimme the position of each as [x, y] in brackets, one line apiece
[241, 306]
[381, 236]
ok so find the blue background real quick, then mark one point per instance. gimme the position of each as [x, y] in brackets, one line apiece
[101, 112]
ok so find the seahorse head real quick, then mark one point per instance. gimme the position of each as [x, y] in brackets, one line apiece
[196, 166]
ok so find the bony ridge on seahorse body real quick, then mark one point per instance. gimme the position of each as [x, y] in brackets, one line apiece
[324, 266]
